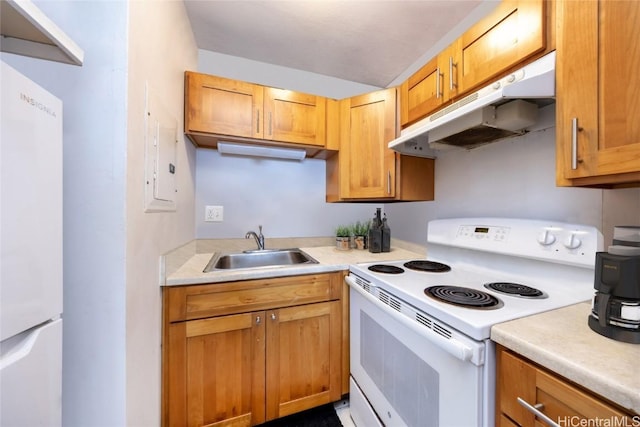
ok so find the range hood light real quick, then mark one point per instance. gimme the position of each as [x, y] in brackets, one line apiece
[261, 151]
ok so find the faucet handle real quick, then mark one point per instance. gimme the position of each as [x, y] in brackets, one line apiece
[260, 229]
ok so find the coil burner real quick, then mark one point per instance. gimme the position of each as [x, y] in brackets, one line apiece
[385, 268]
[515, 289]
[430, 266]
[463, 297]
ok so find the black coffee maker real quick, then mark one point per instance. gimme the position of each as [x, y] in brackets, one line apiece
[615, 311]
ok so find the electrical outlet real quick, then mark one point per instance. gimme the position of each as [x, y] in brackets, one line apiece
[213, 213]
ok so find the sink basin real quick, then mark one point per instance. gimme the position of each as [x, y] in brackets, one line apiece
[258, 258]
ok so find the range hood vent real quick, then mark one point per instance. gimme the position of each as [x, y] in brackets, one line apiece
[27, 31]
[503, 109]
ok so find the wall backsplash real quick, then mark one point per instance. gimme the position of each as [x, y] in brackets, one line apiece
[286, 197]
[513, 178]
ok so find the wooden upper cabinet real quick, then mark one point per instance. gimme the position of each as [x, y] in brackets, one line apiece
[368, 123]
[365, 168]
[510, 34]
[435, 84]
[514, 31]
[220, 107]
[598, 134]
[294, 117]
[223, 106]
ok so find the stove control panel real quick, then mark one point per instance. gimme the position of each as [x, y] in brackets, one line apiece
[494, 233]
[551, 241]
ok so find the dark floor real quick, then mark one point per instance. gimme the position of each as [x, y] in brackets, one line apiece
[322, 416]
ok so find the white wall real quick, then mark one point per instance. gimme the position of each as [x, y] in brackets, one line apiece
[286, 197]
[262, 73]
[95, 139]
[161, 48]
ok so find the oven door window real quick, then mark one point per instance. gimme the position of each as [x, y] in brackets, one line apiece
[407, 378]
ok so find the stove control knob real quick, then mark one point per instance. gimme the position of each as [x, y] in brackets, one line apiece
[572, 241]
[546, 238]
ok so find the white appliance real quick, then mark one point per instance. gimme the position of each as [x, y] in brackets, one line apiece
[31, 254]
[419, 360]
[505, 108]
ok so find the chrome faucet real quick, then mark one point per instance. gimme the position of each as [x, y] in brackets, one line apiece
[259, 237]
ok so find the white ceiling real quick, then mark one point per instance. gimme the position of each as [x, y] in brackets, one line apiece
[373, 42]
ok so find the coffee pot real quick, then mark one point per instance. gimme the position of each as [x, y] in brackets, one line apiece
[615, 311]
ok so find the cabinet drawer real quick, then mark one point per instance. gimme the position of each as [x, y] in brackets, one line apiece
[555, 397]
[198, 301]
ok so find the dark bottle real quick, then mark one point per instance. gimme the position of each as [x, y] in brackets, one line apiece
[386, 235]
[375, 233]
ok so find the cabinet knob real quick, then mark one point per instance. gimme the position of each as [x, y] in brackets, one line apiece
[273, 316]
[258, 320]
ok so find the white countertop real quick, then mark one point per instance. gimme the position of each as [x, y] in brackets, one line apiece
[329, 259]
[561, 341]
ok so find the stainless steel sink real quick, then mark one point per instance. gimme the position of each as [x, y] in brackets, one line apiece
[259, 258]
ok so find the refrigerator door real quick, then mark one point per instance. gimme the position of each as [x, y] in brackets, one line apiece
[30, 204]
[31, 377]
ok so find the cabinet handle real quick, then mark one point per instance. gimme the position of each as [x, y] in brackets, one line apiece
[389, 182]
[273, 316]
[451, 65]
[537, 411]
[270, 129]
[438, 83]
[574, 143]
[258, 120]
[258, 320]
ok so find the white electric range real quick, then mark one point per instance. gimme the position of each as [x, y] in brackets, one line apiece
[420, 348]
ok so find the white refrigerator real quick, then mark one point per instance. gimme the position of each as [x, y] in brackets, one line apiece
[31, 253]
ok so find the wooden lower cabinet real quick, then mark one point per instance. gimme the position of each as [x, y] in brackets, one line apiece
[563, 403]
[246, 368]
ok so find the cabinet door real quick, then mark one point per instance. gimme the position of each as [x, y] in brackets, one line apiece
[303, 357]
[597, 85]
[222, 106]
[294, 117]
[219, 365]
[514, 31]
[516, 378]
[367, 166]
[430, 87]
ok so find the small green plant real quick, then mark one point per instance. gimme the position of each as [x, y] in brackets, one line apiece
[343, 231]
[360, 228]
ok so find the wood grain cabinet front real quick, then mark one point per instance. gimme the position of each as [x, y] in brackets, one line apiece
[251, 366]
[365, 168]
[431, 87]
[510, 34]
[217, 107]
[598, 134]
[529, 396]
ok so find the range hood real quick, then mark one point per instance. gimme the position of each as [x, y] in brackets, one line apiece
[505, 108]
[27, 31]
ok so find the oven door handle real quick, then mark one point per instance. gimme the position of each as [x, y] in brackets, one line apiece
[450, 345]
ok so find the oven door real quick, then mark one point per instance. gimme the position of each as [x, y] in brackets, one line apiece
[409, 374]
